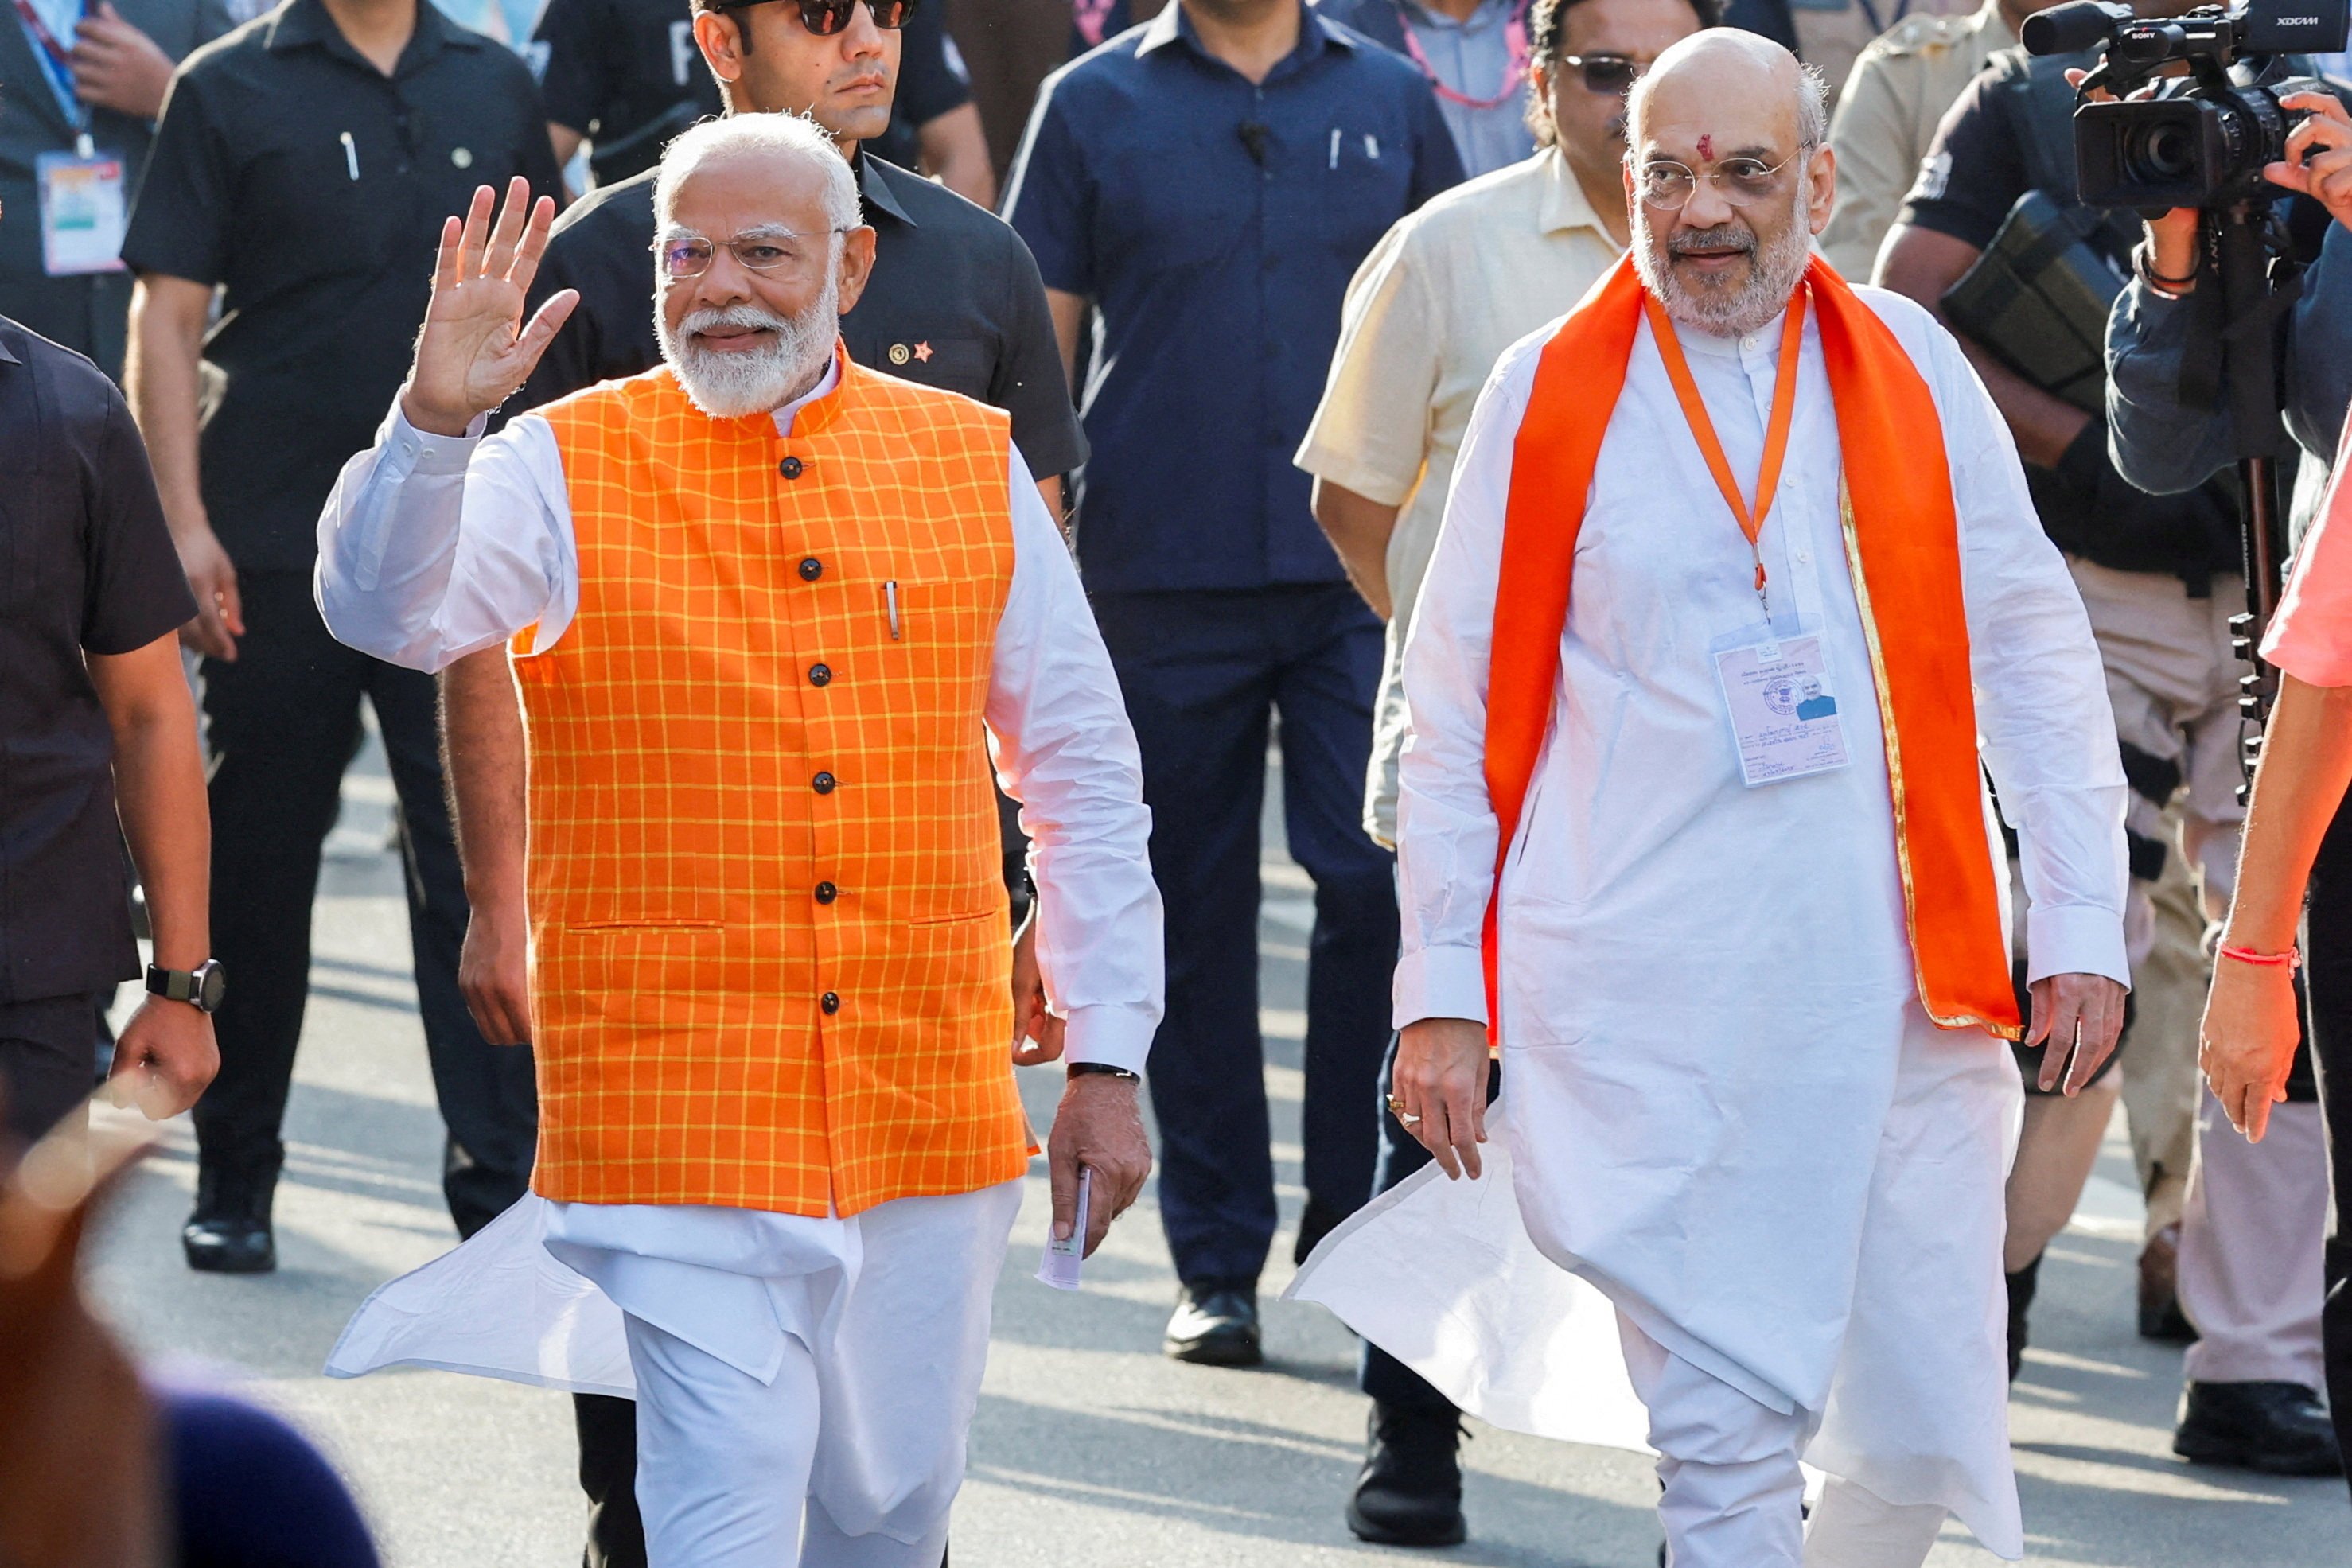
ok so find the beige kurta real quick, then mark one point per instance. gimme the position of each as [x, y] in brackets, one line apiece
[1886, 120]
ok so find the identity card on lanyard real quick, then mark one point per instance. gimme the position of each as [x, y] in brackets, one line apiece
[1776, 690]
[85, 208]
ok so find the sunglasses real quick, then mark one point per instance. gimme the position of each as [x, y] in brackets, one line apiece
[827, 17]
[1605, 73]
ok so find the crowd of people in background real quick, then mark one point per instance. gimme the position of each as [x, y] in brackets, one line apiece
[1238, 271]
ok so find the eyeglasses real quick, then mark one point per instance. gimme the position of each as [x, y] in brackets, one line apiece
[683, 257]
[827, 17]
[1606, 73]
[1741, 182]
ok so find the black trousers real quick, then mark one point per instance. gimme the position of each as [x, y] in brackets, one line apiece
[49, 1062]
[2327, 972]
[284, 721]
[1203, 674]
[1378, 1373]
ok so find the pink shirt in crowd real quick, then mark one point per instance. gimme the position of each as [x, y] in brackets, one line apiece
[2311, 636]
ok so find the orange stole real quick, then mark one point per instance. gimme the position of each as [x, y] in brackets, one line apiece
[747, 797]
[1903, 550]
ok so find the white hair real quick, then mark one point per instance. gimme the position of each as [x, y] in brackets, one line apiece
[762, 135]
[1813, 108]
[735, 385]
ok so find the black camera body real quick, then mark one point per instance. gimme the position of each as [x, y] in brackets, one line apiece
[2202, 141]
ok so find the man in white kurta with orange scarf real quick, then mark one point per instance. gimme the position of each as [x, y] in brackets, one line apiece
[1716, 817]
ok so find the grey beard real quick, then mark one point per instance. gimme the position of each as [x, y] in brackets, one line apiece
[738, 385]
[1773, 271]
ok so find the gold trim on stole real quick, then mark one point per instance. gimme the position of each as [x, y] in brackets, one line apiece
[1895, 773]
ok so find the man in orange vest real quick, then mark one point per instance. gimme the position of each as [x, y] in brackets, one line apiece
[767, 610]
[1715, 817]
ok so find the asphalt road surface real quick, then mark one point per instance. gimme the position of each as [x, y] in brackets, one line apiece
[1090, 1448]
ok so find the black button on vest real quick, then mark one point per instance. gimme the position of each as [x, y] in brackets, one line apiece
[830, 1002]
[823, 783]
[811, 569]
[827, 893]
[819, 674]
[790, 467]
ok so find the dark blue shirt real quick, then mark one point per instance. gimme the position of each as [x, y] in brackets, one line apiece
[1215, 225]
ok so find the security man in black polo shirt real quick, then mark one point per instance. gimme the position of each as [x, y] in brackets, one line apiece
[96, 728]
[954, 300]
[622, 74]
[301, 167]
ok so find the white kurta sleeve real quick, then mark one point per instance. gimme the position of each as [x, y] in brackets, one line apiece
[1447, 830]
[2048, 734]
[1066, 751]
[432, 547]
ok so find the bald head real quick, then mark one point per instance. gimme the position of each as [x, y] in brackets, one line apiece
[1727, 178]
[1733, 86]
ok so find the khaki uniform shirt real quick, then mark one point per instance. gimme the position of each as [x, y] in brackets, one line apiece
[1886, 120]
[1428, 313]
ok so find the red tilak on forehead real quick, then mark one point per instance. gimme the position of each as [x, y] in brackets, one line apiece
[1706, 147]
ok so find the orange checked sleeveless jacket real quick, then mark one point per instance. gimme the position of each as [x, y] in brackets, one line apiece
[770, 952]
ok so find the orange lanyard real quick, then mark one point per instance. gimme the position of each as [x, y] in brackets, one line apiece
[1776, 433]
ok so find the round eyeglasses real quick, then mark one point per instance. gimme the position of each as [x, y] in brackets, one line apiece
[1741, 182]
[685, 256]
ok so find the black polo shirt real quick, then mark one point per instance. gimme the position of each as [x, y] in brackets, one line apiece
[954, 301]
[313, 187]
[86, 567]
[614, 66]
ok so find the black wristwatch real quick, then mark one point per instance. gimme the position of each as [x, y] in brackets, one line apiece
[1102, 1070]
[200, 988]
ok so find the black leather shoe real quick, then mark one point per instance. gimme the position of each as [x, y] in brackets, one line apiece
[229, 1231]
[1215, 1325]
[2278, 1429]
[1409, 1493]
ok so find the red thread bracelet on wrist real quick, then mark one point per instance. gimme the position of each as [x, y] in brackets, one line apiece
[2290, 957]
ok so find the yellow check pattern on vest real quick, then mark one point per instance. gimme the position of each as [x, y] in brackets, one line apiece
[734, 642]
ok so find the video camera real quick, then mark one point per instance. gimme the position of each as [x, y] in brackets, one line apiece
[2203, 140]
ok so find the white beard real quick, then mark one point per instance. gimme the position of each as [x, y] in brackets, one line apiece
[1773, 271]
[739, 384]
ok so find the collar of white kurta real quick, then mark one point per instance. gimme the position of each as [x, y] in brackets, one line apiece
[1902, 537]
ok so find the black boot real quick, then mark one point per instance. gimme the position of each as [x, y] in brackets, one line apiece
[2020, 1298]
[1409, 1493]
[229, 1231]
[2278, 1429]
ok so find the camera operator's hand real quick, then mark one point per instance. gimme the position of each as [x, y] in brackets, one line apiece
[2319, 154]
[2172, 239]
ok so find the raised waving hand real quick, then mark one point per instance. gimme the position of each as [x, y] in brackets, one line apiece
[476, 351]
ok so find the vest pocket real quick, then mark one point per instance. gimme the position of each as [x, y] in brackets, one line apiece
[995, 911]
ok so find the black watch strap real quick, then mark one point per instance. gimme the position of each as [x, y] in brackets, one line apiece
[200, 988]
[1102, 1070]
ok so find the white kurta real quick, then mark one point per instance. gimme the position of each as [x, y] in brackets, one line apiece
[431, 548]
[1706, 988]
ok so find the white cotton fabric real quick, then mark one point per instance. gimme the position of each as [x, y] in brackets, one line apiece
[1707, 990]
